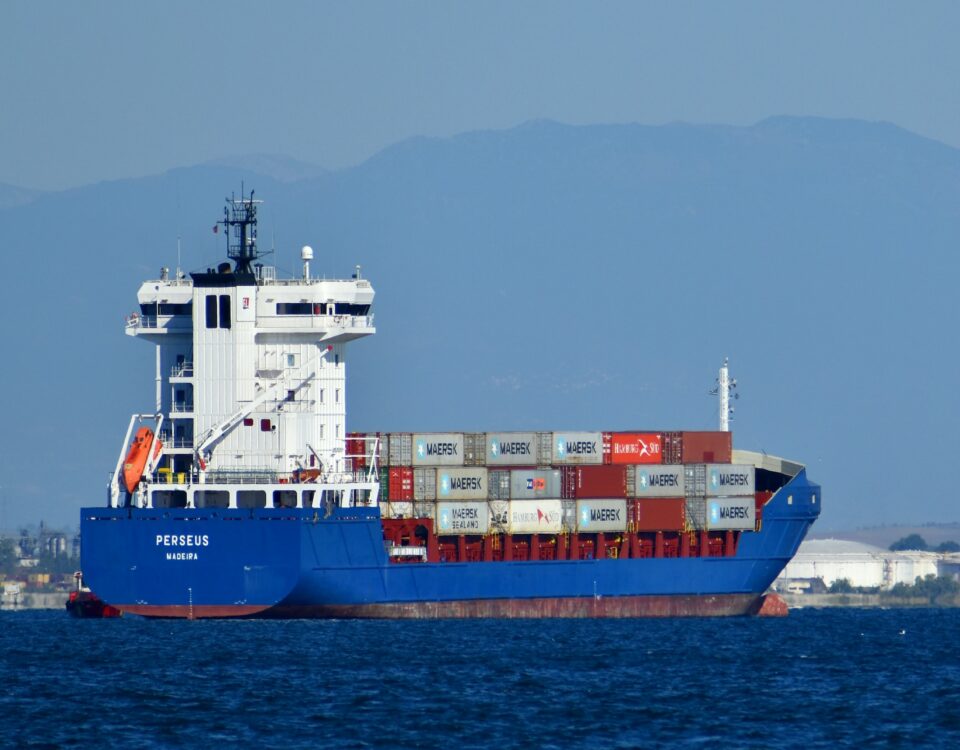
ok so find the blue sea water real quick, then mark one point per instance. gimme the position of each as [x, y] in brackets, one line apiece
[818, 678]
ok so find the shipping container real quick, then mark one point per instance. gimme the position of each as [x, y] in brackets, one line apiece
[400, 509]
[511, 449]
[474, 449]
[535, 517]
[707, 447]
[602, 515]
[731, 513]
[424, 484]
[655, 481]
[594, 481]
[696, 513]
[730, 479]
[461, 484]
[499, 512]
[657, 513]
[462, 518]
[424, 508]
[438, 449]
[695, 480]
[636, 448]
[577, 448]
[544, 448]
[673, 447]
[498, 485]
[401, 483]
[384, 485]
[399, 449]
[533, 483]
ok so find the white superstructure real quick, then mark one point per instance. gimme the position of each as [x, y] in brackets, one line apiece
[250, 376]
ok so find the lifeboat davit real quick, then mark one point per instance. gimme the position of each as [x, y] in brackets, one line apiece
[136, 460]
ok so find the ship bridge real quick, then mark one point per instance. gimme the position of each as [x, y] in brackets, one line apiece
[250, 368]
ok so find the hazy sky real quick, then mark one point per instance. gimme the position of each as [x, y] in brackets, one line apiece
[101, 90]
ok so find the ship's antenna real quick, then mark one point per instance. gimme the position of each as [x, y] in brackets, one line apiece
[178, 258]
[240, 225]
[726, 388]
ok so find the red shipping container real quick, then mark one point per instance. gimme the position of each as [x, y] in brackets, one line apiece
[583, 482]
[657, 513]
[400, 484]
[636, 448]
[707, 447]
[673, 447]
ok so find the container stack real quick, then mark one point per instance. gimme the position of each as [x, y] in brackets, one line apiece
[564, 482]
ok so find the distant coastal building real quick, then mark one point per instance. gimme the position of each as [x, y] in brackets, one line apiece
[821, 562]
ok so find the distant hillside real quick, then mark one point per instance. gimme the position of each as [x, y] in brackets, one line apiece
[12, 196]
[547, 276]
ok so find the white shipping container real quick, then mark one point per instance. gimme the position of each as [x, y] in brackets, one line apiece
[602, 515]
[437, 449]
[730, 479]
[577, 448]
[461, 484]
[535, 517]
[424, 484]
[511, 449]
[462, 518]
[499, 511]
[657, 481]
[400, 509]
[737, 513]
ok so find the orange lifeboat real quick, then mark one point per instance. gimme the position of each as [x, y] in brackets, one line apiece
[136, 460]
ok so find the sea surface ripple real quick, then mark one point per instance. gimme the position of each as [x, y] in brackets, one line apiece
[818, 678]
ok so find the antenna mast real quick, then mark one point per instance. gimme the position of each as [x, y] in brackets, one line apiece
[240, 225]
[726, 387]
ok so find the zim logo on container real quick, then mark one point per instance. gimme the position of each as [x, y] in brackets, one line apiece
[536, 484]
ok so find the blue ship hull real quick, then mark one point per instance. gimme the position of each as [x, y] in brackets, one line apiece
[298, 563]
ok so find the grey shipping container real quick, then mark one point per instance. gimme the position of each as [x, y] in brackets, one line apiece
[400, 509]
[498, 485]
[474, 449]
[738, 513]
[535, 517]
[462, 518]
[461, 484]
[655, 481]
[730, 479]
[602, 515]
[399, 449]
[577, 448]
[424, 484]
[424, 508]
[438, 449]
[696, 513]
[511, 449]
[533, 483]
[695, 480]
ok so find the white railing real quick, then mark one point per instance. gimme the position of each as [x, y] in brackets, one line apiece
[181, 407]
[183, 370]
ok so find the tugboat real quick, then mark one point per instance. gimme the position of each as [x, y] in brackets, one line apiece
[82, 602]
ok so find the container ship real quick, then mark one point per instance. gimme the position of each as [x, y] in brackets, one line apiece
[241, 493]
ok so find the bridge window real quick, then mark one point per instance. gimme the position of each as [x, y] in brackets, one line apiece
[211, 310]
[224, 310]
[294, 308]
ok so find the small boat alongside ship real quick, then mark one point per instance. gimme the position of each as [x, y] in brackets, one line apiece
[241, 493]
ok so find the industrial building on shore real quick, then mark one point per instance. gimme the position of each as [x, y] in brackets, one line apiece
[820, 563]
